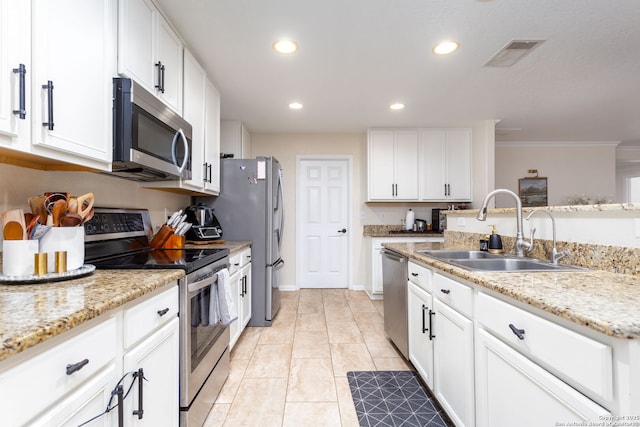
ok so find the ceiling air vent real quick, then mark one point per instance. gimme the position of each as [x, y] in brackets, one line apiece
[514, 51]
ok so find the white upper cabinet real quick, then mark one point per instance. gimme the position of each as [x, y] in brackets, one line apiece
[73, 51]
[195, 80]
[235, 139]
[15, 62]
[150, 52]
[445, 164]
[212, 139]
[393, 165]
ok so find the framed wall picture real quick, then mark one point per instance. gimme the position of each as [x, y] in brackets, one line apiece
[533, 191]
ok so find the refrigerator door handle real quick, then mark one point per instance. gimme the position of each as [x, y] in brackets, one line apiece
[280, 205]
[278, 265]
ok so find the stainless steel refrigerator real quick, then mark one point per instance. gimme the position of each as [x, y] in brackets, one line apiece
[251, 207]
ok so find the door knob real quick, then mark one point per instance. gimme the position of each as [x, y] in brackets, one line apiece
[344, 230]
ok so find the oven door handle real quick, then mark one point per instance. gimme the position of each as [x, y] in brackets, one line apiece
[196, 286]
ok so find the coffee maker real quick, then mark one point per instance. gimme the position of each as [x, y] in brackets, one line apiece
[205, 224]
[438, 220]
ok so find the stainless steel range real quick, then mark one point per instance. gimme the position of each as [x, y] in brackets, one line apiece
[119, 239]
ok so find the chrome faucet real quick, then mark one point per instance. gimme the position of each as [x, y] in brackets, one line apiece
[521, 244]
[555, 255]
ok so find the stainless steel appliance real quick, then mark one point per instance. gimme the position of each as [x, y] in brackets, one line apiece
[394, 288]
[151, 142]
[119, 239]
[251, 207]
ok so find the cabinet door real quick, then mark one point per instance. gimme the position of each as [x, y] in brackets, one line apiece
[169, 55]
[158, 357]
[74, 55]
[15, 49]
[194, 112]
[381, 165]
[432, 164]
[459, 164]
[245, 311]
[85, 403]
[420, 307]
[212, 138]
[512, 390]
[453, 364]
[136, 56]
[236, 289]
[405, 160]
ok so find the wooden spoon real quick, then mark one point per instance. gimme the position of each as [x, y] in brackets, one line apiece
[13, 231]
[58, 210]
[88, 216]
[85, 203]
[70, 220]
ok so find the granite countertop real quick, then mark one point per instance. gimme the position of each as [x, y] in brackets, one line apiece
[395, 231]
[31, 314]
[602, 301]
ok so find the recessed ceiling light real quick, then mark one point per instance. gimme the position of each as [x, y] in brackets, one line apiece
[285, 46]
[446, 47]
[396, 106]
[295, 106]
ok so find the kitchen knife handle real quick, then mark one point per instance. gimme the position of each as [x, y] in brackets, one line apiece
[22, 109]
[49, 88]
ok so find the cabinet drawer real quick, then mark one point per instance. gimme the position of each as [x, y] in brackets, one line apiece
[33, 385]
[142, 319]
[454, 294]
[584, 362]
[420, 276]
[235, 262]
[245, 257]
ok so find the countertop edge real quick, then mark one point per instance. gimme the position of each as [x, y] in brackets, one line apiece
[500, 282]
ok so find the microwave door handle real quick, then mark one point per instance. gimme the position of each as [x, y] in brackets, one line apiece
[180, 134]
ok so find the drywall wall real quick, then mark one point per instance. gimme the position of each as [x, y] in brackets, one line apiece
[18, 184]
[570, 168]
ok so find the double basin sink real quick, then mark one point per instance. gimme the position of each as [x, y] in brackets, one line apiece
[485, 261]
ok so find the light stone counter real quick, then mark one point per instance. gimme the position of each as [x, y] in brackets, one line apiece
[233, 246]
[32, 314]
[605, 302]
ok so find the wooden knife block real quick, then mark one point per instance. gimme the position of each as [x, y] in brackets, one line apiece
[174, 242]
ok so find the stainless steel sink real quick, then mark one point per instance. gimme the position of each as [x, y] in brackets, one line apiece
[458, 254]
[485, 261]
[513, 264]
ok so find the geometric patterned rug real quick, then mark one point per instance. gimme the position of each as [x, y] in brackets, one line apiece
[393, 398]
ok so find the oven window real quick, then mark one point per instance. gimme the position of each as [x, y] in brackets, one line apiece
[203, 337]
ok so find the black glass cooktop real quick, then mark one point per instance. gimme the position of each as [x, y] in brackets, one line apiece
[187, 259]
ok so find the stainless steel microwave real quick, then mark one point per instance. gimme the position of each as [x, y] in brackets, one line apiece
[151, 142]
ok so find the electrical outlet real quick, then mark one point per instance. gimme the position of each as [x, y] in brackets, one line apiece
[382, 216]
[461, 221]
[636, 222]
[363, 216]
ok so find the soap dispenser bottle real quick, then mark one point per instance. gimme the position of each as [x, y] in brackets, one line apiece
[495, 241]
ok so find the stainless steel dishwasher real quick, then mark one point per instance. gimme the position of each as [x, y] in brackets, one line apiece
[394, 288]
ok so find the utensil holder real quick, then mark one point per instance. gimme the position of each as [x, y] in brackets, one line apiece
[69, 239]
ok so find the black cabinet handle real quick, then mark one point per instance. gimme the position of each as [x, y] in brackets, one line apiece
[49, 88]
[445, 291]
[414, 274]
[163, 312]
[120, 393]
[160, 84]
[431, 336]
[424, 320]
[22, 109]
[140, 411]
[210, 174]
[204, 172]
[75, 367]
[344, 230]
[518, 332]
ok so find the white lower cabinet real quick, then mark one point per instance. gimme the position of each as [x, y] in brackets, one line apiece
[240, 284]
[420, 312]
[512, 390]
[453, 363]
[71, 380]
[155, 402]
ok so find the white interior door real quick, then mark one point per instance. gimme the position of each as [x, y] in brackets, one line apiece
[323, 223]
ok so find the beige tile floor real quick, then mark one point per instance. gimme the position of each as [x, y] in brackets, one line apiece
[294, 373]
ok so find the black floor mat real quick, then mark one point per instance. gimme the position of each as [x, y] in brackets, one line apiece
[393, 398]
